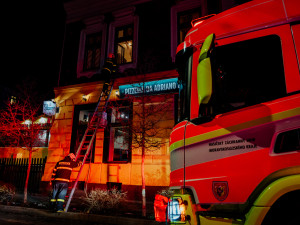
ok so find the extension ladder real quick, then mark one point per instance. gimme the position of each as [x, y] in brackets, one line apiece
[98, 120]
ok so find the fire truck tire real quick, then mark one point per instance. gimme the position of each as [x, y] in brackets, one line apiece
[285, 210]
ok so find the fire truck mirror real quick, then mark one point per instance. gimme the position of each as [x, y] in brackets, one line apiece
[204, 81]
[204, 73]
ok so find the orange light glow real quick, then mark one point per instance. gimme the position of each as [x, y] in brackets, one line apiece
[200, 20]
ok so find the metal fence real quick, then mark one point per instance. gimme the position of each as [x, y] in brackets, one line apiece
[13, 171]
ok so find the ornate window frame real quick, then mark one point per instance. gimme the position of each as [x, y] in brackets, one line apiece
[93, 25]
[121, 18]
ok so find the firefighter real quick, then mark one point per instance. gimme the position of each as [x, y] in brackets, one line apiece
[60, 181]
[109, 69]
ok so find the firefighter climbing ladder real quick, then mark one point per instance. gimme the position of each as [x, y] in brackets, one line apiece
[97, 121]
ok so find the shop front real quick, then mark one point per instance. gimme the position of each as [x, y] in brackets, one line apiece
[140, 112]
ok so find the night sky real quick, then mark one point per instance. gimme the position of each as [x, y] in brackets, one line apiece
[32, 38]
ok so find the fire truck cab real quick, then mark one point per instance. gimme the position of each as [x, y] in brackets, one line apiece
[235, 150]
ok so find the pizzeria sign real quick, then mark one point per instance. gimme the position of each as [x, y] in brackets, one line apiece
[149, 88]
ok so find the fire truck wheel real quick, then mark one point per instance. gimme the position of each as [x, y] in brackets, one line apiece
[285, 210]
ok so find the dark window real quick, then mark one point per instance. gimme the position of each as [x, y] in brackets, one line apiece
[124, 43]
[184, 22]
[239, 2]
[247, 73]
[117, 143]
[288, 141]
[214, 6]
[92, 51]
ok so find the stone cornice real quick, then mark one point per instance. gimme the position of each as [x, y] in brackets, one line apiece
[118, 81]
[77, 10]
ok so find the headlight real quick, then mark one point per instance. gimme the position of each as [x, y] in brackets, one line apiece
[176, 210]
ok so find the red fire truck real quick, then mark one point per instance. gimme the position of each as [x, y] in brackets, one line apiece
[235, 151]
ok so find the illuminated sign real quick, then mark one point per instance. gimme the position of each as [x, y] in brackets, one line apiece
[49, 108]
[149, 88]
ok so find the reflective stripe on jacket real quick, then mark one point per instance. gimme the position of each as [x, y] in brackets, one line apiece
[63, 169]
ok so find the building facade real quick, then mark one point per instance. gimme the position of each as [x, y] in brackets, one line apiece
[143, 35]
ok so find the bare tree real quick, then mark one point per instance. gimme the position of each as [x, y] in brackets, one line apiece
[17, 128]
[148, 132]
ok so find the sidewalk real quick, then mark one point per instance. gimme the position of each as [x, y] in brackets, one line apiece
[71, 216]
[128, 213]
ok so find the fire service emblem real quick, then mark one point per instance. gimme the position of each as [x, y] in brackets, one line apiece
[220, 190]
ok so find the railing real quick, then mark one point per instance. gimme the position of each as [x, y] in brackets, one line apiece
[14, 171]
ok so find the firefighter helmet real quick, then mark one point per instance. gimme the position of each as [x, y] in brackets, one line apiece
[72, 156]
[111, 56]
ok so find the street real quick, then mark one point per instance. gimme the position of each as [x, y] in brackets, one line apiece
[7, 218]
[15, 215]
[23, 219]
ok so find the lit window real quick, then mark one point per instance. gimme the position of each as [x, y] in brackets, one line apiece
[13, 100]
[124, 43]
[27, 122]
[123, 38]
[41, 120]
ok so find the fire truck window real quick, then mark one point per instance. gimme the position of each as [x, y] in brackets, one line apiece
[248, 73]
[288, 141]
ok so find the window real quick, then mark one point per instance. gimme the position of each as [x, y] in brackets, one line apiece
[248, 73]
[239, 2]
[13, 100]
[92, 43]
[41, 134]
[184, 22]
[214, 6]
[43, 138]
[288, 141]
[82, 115]
[181, 16]
[124, 42]
[117, 143]
[123, 38]
[92, 52]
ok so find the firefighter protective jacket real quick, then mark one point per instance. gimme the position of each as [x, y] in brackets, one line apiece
[109, 68]
[63, 169]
